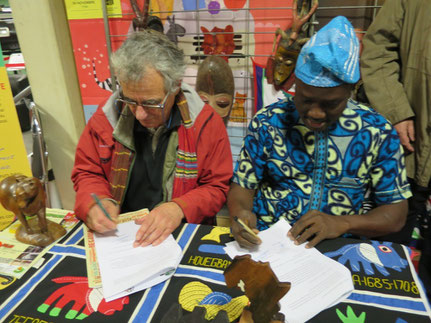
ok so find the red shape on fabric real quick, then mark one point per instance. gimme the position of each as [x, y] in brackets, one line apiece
[109, 308]
[415, 256]
[79, 293]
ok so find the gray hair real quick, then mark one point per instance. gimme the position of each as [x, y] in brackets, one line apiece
[145, 49]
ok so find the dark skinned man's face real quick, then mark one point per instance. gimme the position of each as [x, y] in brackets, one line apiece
[320, 107]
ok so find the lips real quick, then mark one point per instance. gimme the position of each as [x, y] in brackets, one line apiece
[315, 125]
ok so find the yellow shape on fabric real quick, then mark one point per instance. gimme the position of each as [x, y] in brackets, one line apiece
[194, 292]
[6, 281]
[215, 233]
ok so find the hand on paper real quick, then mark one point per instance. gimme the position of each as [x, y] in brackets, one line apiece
[406, 132]
[317, 226]
[244, 238]
[158, 224]
[97, 221]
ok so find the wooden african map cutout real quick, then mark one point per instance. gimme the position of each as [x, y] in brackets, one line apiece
[260, 285]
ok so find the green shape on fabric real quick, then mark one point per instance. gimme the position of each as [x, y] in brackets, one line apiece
[71, 314]
[55, 311]
[43, 308]
[81, 316]
[350, 316]
[416, 234]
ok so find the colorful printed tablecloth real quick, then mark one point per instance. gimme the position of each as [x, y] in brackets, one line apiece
[387, 288]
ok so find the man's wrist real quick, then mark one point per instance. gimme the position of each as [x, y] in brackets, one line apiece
[347, 222]
[111, 200]
[179, 209]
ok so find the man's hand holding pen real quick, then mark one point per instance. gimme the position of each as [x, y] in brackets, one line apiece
[98, 221]
[243, 226]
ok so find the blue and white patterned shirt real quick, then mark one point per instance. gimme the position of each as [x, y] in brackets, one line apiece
[295, 169]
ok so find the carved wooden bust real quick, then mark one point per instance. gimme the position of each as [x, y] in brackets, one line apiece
[25, 197]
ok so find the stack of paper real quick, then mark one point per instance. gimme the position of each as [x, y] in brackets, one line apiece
[318, 282]
[93, 271]
[125, 270]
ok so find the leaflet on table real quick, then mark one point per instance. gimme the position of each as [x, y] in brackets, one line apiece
[125, 270]
[17, 257]
[93, 273]
[318, 282]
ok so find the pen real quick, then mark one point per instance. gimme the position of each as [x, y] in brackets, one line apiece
[246, 227]
[96, 199]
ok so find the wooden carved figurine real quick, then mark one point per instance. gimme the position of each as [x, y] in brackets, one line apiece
[215, 85]
[280, 68]
[260, 285]
[25, 197]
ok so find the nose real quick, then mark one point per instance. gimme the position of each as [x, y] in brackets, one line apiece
[316, 113]
[141, 114]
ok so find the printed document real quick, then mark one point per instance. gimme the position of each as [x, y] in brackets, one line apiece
[125, 270]
[317, 281]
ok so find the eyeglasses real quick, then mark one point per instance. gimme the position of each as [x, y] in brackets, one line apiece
[134, 105]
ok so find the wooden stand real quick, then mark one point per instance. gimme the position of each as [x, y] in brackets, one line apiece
[39, 238]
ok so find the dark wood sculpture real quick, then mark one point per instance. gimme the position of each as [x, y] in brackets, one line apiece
[25, 197]
[260, 285]
[280, 67]
[215, 85]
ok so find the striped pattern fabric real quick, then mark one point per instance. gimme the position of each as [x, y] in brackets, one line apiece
[121, 161]
[186, 169]
[187, 164]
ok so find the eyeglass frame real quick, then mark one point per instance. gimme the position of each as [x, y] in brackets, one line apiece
[134, 104]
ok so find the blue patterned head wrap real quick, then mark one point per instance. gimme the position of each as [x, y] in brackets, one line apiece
[331, 57]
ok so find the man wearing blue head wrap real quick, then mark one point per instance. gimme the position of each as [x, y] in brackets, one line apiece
[311, 159]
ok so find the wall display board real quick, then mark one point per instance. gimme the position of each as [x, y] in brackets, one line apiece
[240, 31]
[13, 156]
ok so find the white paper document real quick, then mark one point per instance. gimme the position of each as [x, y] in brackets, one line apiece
[125, 270]
[317, 281]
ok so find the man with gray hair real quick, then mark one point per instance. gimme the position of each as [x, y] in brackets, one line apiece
[153, 144]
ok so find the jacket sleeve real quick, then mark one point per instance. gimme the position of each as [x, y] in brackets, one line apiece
[89, 175]
[215, 171]
[380, 63]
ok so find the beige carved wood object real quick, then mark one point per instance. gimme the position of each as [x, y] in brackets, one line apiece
[25, 197]
[260, 285]
[215, 85]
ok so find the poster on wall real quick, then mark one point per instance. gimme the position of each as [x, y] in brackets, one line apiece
[13, 156]
[240, 31]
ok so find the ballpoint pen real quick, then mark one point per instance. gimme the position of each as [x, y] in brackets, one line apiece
[99, 203]
[246, 227]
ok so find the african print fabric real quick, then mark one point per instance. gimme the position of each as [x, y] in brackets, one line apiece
[295, 169]
[387, 288]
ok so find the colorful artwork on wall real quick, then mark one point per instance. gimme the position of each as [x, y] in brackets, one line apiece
[239, 33]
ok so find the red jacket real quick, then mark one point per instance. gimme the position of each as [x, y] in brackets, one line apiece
[94, 154]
